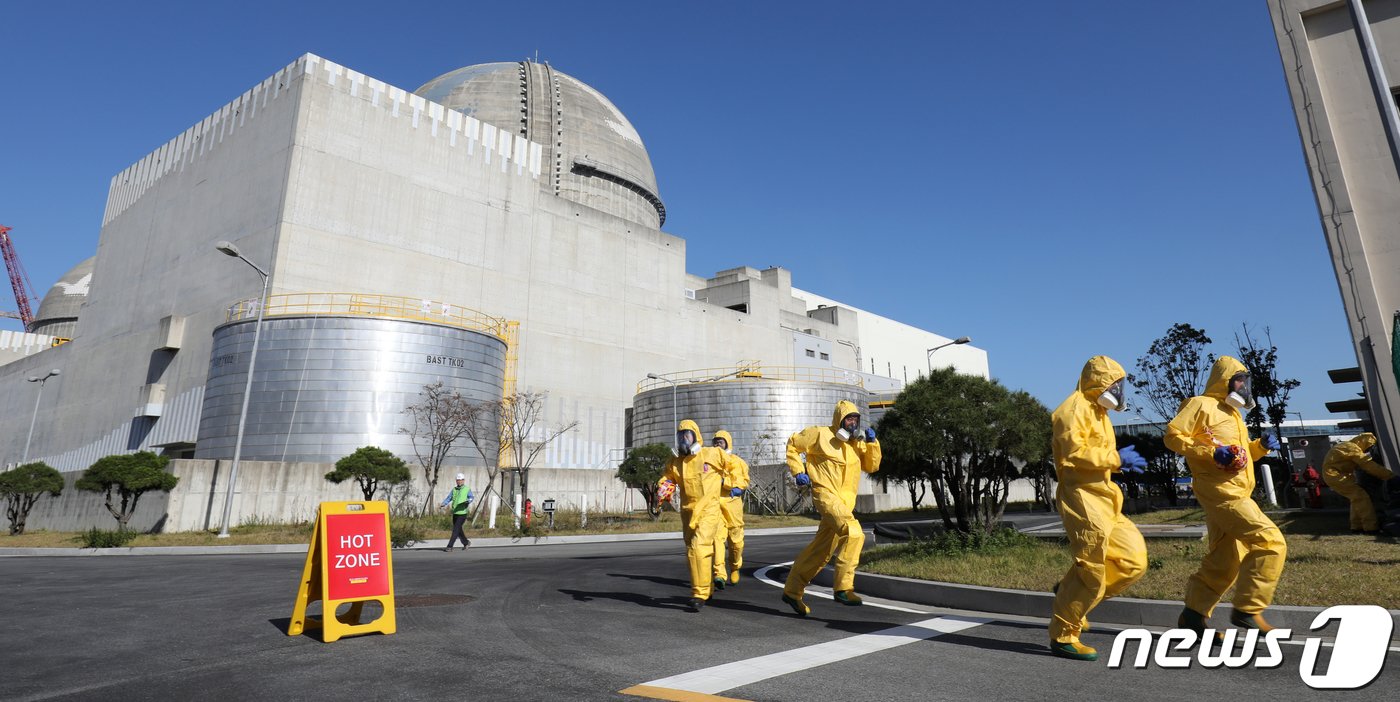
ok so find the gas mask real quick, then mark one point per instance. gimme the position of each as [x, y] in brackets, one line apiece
[686, 445]
[850, 428]
[720, 444]
[1114, 397]
[1240, 396]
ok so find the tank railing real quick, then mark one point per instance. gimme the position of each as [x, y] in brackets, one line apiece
[371, 305]
[748, 371]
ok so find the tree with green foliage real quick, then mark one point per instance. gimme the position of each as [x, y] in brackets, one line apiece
[23, 486]
[970, 437]
[369, 466]
[1270, 391]
[1173, 369]
[127, 477]
[642, 469]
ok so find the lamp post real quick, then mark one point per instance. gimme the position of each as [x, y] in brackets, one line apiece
[929, 354]
[675, 419]
[228, 249]
[35, 417]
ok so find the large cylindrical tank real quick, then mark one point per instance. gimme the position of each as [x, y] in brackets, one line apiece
[326, 385]
[761, 411]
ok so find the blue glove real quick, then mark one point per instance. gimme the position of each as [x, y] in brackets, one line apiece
[1222, 456]
[1271, 442]
[869, 434]
[735, 492]
[802, 480]
[1130, 460]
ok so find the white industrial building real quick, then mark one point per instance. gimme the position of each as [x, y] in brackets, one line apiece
[402, 231]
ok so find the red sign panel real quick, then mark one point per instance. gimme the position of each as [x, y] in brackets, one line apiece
[357, 556]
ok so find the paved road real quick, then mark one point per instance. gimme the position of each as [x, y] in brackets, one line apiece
[574, 622]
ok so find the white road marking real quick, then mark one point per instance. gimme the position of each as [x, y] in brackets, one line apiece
[728, 676]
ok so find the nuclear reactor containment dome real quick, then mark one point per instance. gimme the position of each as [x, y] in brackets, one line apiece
[58, 313]
[592, 154]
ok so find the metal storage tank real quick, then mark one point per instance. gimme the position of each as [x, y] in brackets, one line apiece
[760, 406]
[335, 372]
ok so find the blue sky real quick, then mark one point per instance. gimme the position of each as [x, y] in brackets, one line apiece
[1056, 180]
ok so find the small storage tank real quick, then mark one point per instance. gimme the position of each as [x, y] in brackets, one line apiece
[327, 384]
[760, 406]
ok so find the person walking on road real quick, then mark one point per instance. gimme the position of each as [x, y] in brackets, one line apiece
[460, 502]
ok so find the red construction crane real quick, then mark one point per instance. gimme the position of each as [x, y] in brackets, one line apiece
[19, 280]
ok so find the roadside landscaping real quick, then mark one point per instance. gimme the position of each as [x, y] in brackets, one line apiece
[434, 526]
[1327, 565]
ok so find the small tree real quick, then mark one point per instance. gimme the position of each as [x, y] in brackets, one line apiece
[436, 423]
[1173, 369]
[23, 486]
[1270, 390]
[369, 466]
[642, 470]
[129, 476]
[523, 433]
[971, 436]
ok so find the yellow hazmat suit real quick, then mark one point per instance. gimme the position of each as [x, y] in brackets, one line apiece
[1242, 541]
[1109, 553]
[698, 477]
[1339, 471]
[729, 537]
[834, 466]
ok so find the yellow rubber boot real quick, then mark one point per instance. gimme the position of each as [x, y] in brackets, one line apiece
[1073, 650]
[797, 606]
[1250, 621]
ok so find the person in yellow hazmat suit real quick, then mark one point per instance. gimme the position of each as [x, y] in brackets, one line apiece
[1339, 472]
[1243, 544]
[698, 470]
[834, 458]
[729, 537]
[1109, 553]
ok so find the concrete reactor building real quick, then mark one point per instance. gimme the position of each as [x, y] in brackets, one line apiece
[498, 228]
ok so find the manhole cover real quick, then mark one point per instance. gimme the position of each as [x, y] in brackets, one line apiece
[431, 600]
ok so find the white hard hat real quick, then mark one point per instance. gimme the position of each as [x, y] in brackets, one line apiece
[461, 476]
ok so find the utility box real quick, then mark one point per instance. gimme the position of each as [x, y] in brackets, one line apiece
[152, 400]
[172, 333]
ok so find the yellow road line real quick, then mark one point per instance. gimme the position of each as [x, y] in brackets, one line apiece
[666, 693]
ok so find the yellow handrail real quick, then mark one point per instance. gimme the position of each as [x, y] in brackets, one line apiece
[372, 305]
[751, 370]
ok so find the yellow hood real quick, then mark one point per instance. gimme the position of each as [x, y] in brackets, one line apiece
[1099, 373]
[1364, 441]
[692, 426]
[1225, 368]
[728, 440]
[843, 409]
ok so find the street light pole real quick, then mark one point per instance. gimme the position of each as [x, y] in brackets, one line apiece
[35, 417]
[229, 249]
[929, 353]
[675, 419]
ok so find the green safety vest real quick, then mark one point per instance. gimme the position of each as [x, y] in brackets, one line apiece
[461, 498]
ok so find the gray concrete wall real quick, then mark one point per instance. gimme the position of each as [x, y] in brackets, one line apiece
[221, 179]
[271, 492]
[1355, 173]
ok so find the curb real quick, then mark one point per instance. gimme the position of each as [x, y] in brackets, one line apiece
[1124, 611]
[434, 544]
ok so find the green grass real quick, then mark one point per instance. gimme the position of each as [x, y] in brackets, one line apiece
[1326, 565]
[433, 526]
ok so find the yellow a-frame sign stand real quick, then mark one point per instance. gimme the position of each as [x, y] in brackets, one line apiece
[347, 562]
